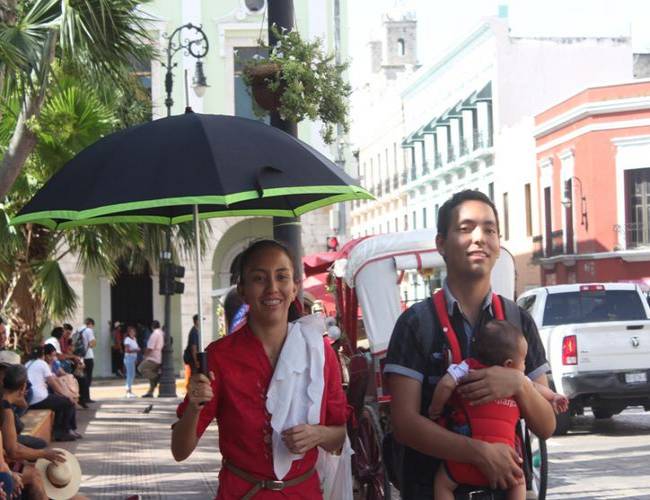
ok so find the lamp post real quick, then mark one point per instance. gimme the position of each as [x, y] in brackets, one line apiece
[197, 47]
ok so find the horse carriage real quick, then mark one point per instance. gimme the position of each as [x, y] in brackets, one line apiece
[370, 291]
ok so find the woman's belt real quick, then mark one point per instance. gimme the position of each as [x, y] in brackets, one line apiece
[265, 484]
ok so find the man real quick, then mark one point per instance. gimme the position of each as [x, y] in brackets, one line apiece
[150, 366]
[77, 362]
[88, 337]
[191, 353]
[468, 240]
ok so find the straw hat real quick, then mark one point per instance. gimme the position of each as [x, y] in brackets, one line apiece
[61, 481]
[8, 358]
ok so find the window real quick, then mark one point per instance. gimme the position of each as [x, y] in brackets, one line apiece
[401, 47]
[637, 187]
[415, 225]
[596, 306]
[547, 221]
[406, 222]
[491, 191]
[529, 210]
[424, 217]
[568, 214]
[436, 208]
[396, 224]
[506, 218]
[527, 303]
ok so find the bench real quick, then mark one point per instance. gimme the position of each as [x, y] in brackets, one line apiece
[39, 423]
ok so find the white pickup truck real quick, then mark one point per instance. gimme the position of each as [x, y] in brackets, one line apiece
[597, 341]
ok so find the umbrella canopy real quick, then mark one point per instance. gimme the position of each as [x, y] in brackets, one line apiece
[157, 172]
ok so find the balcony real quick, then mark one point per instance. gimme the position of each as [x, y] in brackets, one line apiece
[636, 234]
[538, 250]
[555, 244]
[425, 168]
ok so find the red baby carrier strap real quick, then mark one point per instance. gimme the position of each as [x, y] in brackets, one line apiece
[440, 304]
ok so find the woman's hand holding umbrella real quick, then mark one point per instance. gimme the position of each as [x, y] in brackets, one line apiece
[200, 389]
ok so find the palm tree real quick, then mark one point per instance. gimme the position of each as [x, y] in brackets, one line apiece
[101, 35]
[79, 110]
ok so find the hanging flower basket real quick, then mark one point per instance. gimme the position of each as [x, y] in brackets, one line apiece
[260, 76]
[299, 81]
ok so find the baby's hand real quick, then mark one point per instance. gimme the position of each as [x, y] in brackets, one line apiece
[560, 403]
[434, 412]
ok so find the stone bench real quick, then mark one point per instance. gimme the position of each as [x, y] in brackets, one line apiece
[39, 423]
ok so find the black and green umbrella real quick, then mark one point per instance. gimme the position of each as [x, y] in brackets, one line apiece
[159, 171]
[191, 166]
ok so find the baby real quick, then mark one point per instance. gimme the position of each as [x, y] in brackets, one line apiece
[498, 343]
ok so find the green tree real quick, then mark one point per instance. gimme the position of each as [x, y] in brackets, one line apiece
[101, 35]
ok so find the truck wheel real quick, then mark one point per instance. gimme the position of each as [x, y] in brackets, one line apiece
[562, 423]
[602, 413]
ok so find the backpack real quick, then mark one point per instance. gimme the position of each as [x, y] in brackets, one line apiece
[392, 450]
[78, 344]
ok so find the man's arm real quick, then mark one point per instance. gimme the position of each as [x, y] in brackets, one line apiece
[498, 462]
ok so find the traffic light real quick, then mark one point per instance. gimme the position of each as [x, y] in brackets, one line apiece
[168, 274]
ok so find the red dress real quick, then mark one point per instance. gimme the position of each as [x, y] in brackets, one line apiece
[242, 376]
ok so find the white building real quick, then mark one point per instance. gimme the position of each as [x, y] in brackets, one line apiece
[466, 122]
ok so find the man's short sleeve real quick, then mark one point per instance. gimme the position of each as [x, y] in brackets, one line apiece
[536, 363]
[44, 370]
[405, 356]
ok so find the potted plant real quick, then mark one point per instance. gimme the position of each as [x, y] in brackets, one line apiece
[299, 80]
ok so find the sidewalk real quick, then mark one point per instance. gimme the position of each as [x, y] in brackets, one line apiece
[127, 452]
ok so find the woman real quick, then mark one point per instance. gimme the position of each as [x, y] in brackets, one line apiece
[242, 387]
[131, 350]
[13, 394]
[60, 399]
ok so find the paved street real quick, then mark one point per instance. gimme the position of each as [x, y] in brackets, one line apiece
[125, 452]
[602, 459]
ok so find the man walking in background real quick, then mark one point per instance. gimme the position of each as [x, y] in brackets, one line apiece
[83, 343]
[150, 366]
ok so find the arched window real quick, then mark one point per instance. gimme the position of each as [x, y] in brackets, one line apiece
[401, 47]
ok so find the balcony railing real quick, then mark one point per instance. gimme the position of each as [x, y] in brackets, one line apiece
[464, 150]
[414, 172]
[538, 251]
[438, 161]
[637, 234]
[425, 168]
[555, 244]
[395, 181]
[379, 189]
[451, 153]
[387, 186]
[405, 177]
[482, 140]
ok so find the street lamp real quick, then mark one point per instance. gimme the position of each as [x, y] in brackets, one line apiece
[197, 47]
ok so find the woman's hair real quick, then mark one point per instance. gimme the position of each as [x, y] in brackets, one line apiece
[155, 324]
[48, 349]
[15, 377]
[497, 342]
[295, 311]
[57, 332]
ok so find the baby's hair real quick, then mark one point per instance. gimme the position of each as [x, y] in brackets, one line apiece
[496, 342]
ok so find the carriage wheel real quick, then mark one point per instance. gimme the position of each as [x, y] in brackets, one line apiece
[538, 456]
[371, 481]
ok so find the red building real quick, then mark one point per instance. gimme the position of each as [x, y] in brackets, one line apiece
[593, 164]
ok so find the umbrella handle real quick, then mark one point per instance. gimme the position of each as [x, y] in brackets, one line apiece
[203, 363]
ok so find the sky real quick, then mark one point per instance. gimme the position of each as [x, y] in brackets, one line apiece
[441, 23]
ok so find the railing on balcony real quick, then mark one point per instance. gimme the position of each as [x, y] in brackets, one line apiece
[637, 234]
[438, 161]
[556, 243]
[451, 153]
[464, 150]
[414, 172]
[395, 181]
[425, 168]
[379, 189]
[387, 186]
[405, 176]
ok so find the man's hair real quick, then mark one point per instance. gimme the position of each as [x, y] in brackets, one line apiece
[195, 318]
[155, 324]
[57, 332]
[48, 349]
[496, 342]
[89, 321]
[15, 377]
[67, 326]
[444, 213]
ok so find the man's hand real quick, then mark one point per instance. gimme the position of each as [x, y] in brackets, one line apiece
[54, 455]
[560, 403]
[302, 438]
[488, 384]
[500, 464]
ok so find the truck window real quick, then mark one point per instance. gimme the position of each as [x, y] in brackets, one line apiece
[596, 306]
[527, 303]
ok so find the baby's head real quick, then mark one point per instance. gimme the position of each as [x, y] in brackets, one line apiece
[501, 343]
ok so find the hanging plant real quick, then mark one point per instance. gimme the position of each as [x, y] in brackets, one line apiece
[299, 80]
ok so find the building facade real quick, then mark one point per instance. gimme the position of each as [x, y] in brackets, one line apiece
[593, 159]
[467, 122]
[233, 28]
